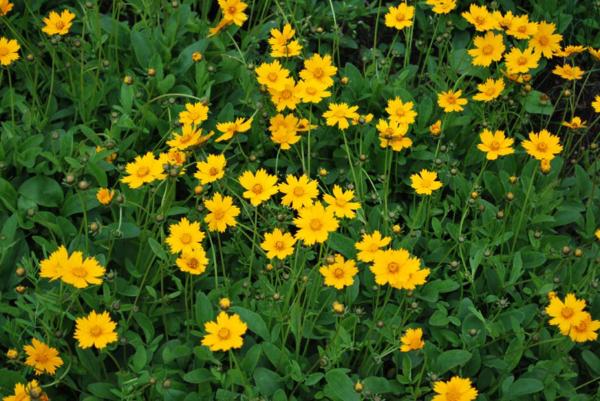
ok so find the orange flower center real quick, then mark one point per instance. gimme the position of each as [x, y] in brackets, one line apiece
[96, 331]
[224, 333]
[186, 238]
[542, 146]
[143, 171]
[79, 271]
[60, 24]
[453, 394]
[219, 214]
[272, 76]
[581, 326]
[393, 267]
[567, 312]
[400, 17]
[298, 191]
[338, 273]
[286, 94]
[318, 72]
[543, 40]
[495, 145]
[340, 202]
[316, 224]
[522, 29]
[479, 20]
[194, 116]
[310, 90]
[522, 60]
[41, 358]
[213, 171]
[279, 245]
[487, 49]
[4, 51]
[193, 263]
[257, 188]
[232, 10]
[450, 99]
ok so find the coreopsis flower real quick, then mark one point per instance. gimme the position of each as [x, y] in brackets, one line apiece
[282, 44]
[110, 158]
[284, 129]
[340, 273]
[455, 389]
[521, 61]
[586, 330]
[42, 358]
[53, 266]
[9, 50]
[278, 244]
[340, 202]
[225, 333]
[340, 113]
[481, 18]
[566, 314]
[222, 212]
[197, 57]
[233, 13]
[425, 182]
[435, 129]
[312, 91]
[521, 28]
[412, 340]
[370, 245]
[80, 272]
[489, 90]
[173, 161]
[595, 53]
[398, 268]
[401, 112]
[570, 50]
[224, 303]
[58, 24]
[504, 20]
[338, 307]
[5, 7]
[441, 6]
[211, 170]
[596, 104]
[194, 114]
[568, 72]
[193, 261]
[545, 166]
[314, 224]
[400, 17]
[575, 123]
[190, 136]
[105, 195]
[393, 134]
[184, 236]
[259, 187]
[229, 129]
[12, 354]
[272, 75]
[451, 101]
[298, 192]
[488, 48]
[495, 144]
[143, 170]
[22, 392]
[95, 330]
[543, 145]
[287, 97]
[544, 41]
[319, 68]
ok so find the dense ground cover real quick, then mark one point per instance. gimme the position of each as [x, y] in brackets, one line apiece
[297, 200]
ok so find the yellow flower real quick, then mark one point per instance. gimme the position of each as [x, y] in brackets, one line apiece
[370, 245]
[596, 104]
[338, 307]
[52, 267]
[5, 7]
[174, 158]
[12, 353]
[400, 17]
[543, 145]
[314, 224]
[595, 53]
[568, 72]
[341, 202]
[455, 389]
[425, 182]
[566, 314]
[23, 392]
[480, 18]
[504, 21]
[229, 129]
[597, 233]
[184, 236]
[143, 170]
[489, 90]
[233, 11]
[222, 212]
[320, 69]
[298, 192]
[259, 187]
[521, 28]
[545, 166]
[194, 114]
[570, 50]
[284, 130]
[312, 91]
[211, 170]
[340, 113]
[225, 333]
[412, 340]
[401, 112]
[272, 75]
[488, 48]
[545, 41]
[282, 44]
[398, 268]
[193, 260]
[451, 101]
[224, 303]
[521, 61]
[585, 330]
[495, 144]
[278, 244]
[190, 136]
[441, 6]
[340, 273]
[436, 128]
[42, 358]
[58, 24]
[95, 329]
[81, 273]
[105, 195]
[9, 50]
[286, 97]
[575, 123]
[196, 57]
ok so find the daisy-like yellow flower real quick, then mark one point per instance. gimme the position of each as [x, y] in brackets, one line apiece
[222, 212]
[566, 314]
[233, 11]
[5, 7]
[105, 195]
[225, 333]
[259, 187]
[489, 90]
[143, 170]
[95, 330]
[568, 72]
[229, 129]
[194, 114]
[586, 330]
[412, 340]
[504, 20]
[42, 358]
[272, 75]
[52, 267]
[481, 18]
[397, 267]
[425, 182]
[400, 17]
[455, 389]
[543, 145]
[451, 101]
[287, 97]
[595, 53]
[495, 144]
[9, 50]
[575, 123]
[441, 6]
[184, 236]
[174, 158]
[211, 170]
[282, 44]
[521, 28]
[278, 244]
[570, 50]
[401, 112]
[340, 273]
[312, 91]
[22, 392]
[58, 24]
[435, 129]
[284, 130]
[488, 48]
[341, 202]
[298, 192]
[521, 61]
[596, 104]
[193, 261]
[340, 113]
[190, 136]
[370, 245]
[12, 354]
[314, 223]
[544, 41]
[319, 68]
[80, 272]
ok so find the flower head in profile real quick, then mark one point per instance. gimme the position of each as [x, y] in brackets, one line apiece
[58, 24]
[455, 389]
[435, 129]
[595, 53]
[488, 48]
[319, 68]
[314, 224]
[192, 261]
[596, 104]
[451, 101]
[340, 202]
[545, 41]
[278, 244]
[412, 340]
[143, 170]
[489, 90]
[283, 43]
[339, 114]
[5, 7]
[225, 333]
[575, 123]
[481, 18]
[259, 186]
[190, 136]
[80, 272]
[543, 145]
[95, 330]
[370, 245]
[586, 330]
[9, 50]
[568, 72]
[230, 128]
[184, 236]
[495, 144]
[340, 273]
[398, 268]
[42, 358]
[400, 17]
[441, 6]
[298, 192]
[521, 61]
[566, 314]
[425, 182]
[194, 114]
[52, 267]
[401, 112]
[222, 212]
[571, 50]
[211, 170]
[105, 195]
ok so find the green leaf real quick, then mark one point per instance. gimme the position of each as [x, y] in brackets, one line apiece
[342, 244]
[534, 104]
[523, 387]
[339, 387]
[197, 376]
[254, 321]
[451, 359]
[42, 190]
[267, 381]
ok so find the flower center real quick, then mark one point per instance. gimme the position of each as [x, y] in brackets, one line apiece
[193, 263]
[451, 99]
[186, 238]
[494, 145]
[453, 394]
[60, 24]
[272, 76]
[316, 224]
[257, 188]
[143, 171]
[487, 49]
[96, 331]
[79, 271]
[232, 10]
[338, 272]
[522, 60]
[3, 51]
[224, 333]
[340, 202]
[543, 40]
[393, 267]
[581, 326]
[279, 245]
[310, 90]
[567, 312]
[400, 17]
[286, 94]
[318, 72]
[213, 171]
[194, 116]
[522, 29]
[479, 20]
[298, 191]
[219, 214]
[41, 358]
[542, 146]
